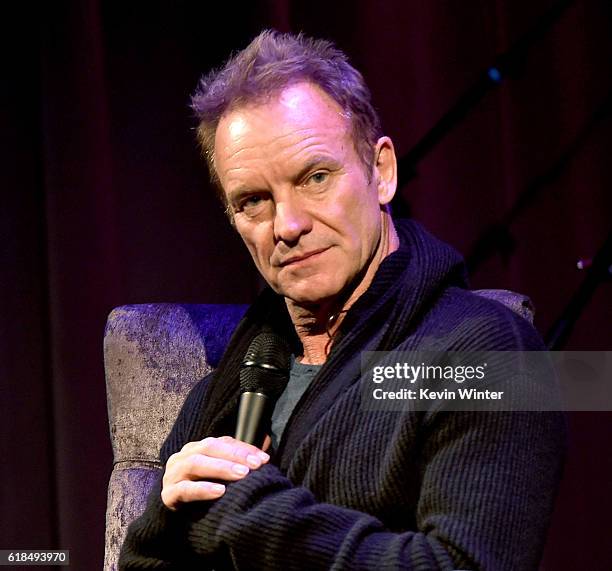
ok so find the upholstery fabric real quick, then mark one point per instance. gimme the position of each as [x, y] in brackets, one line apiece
[154, 354]
[518, 303]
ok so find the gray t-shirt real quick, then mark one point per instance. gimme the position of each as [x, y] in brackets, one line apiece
[300, 377]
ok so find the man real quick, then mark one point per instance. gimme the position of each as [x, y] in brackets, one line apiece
[296, 149]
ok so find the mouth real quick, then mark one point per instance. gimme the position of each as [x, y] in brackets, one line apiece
[308, 256]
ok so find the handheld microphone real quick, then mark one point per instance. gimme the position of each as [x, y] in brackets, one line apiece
[264, 374]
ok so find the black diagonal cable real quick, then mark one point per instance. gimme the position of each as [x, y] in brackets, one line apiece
[504, 65]
[600, 270]
[497, 238]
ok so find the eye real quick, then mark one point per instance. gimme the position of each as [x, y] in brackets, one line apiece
[252, 204]
[318, 177]
[251, 201]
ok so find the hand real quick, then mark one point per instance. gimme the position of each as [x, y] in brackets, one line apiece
[225, 458]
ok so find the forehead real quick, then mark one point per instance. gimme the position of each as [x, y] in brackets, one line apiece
[299, 115]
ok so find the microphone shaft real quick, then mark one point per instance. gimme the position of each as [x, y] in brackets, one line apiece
[252, 418]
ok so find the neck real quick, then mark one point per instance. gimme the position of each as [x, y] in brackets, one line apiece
[317, 324]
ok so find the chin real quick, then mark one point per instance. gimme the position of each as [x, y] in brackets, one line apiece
[310, 294]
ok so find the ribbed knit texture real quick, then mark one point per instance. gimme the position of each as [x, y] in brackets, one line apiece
[352, 489]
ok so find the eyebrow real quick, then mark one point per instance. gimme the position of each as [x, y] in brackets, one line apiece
[312, 163]
[237, 193]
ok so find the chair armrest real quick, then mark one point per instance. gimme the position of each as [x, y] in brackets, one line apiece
[153, 355]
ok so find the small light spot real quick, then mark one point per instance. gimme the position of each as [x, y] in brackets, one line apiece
[494, 75]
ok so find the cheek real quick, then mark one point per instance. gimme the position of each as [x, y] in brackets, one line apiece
[259, 244]
[362, 222]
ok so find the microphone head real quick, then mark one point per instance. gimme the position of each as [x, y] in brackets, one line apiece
[266, 364]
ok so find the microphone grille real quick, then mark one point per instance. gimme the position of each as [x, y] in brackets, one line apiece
[265, 367]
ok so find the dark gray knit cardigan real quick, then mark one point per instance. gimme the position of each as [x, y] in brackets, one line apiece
[352, 489]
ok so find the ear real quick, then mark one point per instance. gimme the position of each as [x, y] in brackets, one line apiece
[385, 170]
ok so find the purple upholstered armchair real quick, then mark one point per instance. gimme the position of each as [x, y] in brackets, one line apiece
[153, 355]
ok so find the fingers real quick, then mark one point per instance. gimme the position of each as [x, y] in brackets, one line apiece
[189, 471]
[223, 448]
[235, 450]
[187, 491]
[230, 449]
[199, 466]
[267, 443]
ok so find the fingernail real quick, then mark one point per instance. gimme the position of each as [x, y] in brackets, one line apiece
[253, 460]
[218, 488]
[240, 469]
[265, 457]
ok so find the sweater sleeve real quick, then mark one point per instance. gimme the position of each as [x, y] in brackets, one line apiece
[486, 497]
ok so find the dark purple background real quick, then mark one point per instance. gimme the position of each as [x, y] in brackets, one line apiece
[106, 202]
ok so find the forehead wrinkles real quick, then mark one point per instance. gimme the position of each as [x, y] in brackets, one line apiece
[290, 140]
[275, 154]
[264, 171]
[270, 131]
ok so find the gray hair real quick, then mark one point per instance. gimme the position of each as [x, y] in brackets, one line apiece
[271, 62]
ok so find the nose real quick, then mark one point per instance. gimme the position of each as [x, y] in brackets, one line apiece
[291, 220]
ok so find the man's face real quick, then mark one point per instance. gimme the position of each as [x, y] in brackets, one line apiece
[298, 193]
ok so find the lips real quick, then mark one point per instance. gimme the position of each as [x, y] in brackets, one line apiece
[301, 257]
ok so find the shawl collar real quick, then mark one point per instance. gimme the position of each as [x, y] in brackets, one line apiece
[405, 286]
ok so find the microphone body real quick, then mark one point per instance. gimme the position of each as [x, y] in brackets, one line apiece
[264, 374]
[253, 413]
